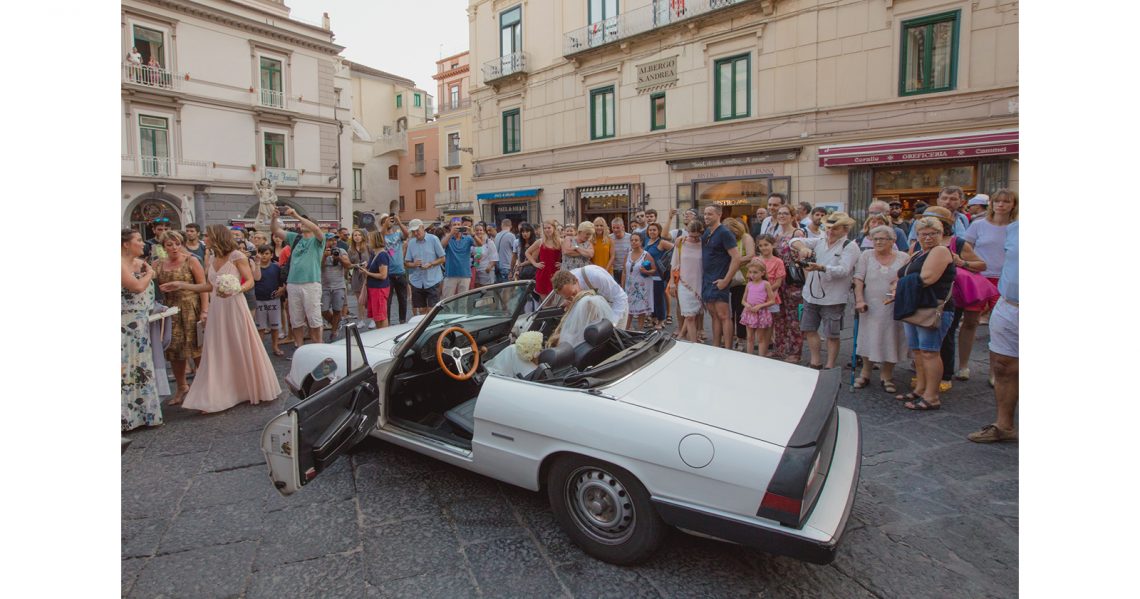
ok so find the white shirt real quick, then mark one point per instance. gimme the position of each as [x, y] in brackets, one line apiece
[601, 282]
[831, 286]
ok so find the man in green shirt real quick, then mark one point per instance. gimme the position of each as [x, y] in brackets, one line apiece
[304, 284]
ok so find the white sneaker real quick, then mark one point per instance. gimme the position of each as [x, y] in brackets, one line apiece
[963, 374]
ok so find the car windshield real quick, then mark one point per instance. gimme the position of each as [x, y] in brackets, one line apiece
[478, 307]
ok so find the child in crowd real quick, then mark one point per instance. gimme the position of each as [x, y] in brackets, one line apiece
[756, 318]
[267, 290]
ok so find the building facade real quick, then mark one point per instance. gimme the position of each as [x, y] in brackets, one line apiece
[598, 108]
[453, 123]
[217, 95]
[383, 109]
[419, 174]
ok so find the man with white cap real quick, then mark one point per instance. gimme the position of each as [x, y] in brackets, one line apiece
[976, 207]
[828, 284]
[422, 259]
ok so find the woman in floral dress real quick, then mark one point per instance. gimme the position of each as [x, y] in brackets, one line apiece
[638, 280]
[141, 406]
[788, 340]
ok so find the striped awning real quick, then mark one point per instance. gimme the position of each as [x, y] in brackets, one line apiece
[603, 191]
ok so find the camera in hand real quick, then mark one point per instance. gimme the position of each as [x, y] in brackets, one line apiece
[336, 252]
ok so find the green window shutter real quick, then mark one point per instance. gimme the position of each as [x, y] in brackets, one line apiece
[399, 100]
[732, 87]
[602, 113]
[657, 111]
[512, 131]
[928, 54]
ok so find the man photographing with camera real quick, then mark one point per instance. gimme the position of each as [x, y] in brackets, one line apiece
[333, 286]
[457, 246]
[830, 265]
[304, 283]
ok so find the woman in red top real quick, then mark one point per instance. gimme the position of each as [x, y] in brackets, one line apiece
[546, 256]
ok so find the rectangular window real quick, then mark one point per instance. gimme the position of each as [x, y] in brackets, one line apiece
[154, 136]
[453, 183]
[272, 91]
[274, 150]
[399, 100]
[512, 133]
[452, 149]
[416, 101]
[929, 61]
[418, 168]
[600, 10]
[510, 32]
[733, 87]
[358, 185]
[454, 96]
[421, 199]
[150, 44]
[402, 208]
[602, 113]
[657, 114]
[393, 172]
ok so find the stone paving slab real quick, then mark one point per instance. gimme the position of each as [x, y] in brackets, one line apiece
[935, 516]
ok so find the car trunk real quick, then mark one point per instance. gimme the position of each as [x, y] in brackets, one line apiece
[760, 398]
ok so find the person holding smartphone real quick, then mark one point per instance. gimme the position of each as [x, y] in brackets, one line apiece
[457, 246]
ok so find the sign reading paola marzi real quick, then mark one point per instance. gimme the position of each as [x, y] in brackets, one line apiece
[658, 73]
[283, 176]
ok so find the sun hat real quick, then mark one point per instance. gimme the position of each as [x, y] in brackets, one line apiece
[415, 225]
[941, 214]
[979, 200]
[838, 219]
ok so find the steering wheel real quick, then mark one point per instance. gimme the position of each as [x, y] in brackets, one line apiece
[457, 354]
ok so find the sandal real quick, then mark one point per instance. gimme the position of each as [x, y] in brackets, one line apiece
[911, 396]
[815, 366]
[921, 405]
[888, 386]
[278, 352]
[179, 395]
[669, 320]
[861, 382]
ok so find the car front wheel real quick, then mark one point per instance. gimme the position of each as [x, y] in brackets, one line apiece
[604, 509]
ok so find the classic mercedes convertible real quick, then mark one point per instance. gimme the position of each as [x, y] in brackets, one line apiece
[627, 433]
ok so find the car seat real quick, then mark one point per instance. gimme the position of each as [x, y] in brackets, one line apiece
[595, 346]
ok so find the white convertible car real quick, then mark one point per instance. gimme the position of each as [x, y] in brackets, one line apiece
[626, 433]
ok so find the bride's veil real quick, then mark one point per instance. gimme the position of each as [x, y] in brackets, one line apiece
[587, 310]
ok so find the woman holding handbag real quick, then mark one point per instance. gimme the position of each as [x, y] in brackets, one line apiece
[987, 235]
[924, 299]
[788, 339]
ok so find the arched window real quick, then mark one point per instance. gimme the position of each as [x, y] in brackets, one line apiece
[394, 172]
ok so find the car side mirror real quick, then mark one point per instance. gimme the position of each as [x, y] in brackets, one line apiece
[319, 378]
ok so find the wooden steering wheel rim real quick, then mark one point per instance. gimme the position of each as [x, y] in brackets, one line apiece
[463, 376]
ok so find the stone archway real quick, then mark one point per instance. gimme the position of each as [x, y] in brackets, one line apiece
[151, 205]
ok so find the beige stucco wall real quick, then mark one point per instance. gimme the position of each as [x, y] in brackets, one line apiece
[821, 73]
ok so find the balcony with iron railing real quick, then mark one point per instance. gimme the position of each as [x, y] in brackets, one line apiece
[660, 13]
[504, 66]
[448, 106]
[358, 195]
[140, 74]
[271, 98]
[454, 201]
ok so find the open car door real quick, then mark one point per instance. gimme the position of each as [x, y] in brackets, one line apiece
[335, 415]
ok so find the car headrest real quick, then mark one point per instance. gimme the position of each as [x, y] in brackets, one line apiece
[557, 357]
[599, 332]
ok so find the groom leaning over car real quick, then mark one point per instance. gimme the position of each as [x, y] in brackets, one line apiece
[569, 283]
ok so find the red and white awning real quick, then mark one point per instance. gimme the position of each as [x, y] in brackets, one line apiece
[921, 149]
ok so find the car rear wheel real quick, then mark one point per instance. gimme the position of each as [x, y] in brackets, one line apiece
[604, 509]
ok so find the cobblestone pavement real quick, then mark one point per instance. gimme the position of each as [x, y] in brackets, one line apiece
[935, 516]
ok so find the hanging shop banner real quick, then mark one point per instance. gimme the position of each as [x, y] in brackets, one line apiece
[506, 195]
[991, 143]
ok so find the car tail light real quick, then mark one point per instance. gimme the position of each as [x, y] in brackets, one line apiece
[779, 504]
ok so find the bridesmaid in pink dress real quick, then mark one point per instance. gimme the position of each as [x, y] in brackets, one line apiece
[235, 367]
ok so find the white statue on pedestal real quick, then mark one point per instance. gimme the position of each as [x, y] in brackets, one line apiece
[266, 192]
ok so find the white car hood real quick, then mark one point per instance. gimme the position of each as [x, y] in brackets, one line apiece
[752, 396]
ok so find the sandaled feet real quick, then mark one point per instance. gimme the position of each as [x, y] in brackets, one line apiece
[278, 352]
[888, 386]
[921, 405]
[913, 395]
[861, 382]
[179, 396]
[990, 433]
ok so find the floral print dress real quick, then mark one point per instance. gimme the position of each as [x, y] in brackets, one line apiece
[788, 339]
[638, 287]
[141, 405]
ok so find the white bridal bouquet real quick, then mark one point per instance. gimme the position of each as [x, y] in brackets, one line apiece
[228, 284]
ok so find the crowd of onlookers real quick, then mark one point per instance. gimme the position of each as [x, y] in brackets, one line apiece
[919, 287]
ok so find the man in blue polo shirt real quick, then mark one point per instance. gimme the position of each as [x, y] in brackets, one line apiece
[457, 272]
[720, 259]
[422, 259]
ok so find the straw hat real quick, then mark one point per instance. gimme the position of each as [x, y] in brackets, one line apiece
[941, 214]
[838, 219]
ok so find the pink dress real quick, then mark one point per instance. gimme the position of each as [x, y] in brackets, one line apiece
[756, 294]
[234, 367]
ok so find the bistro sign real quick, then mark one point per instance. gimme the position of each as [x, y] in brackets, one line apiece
[657, 74]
